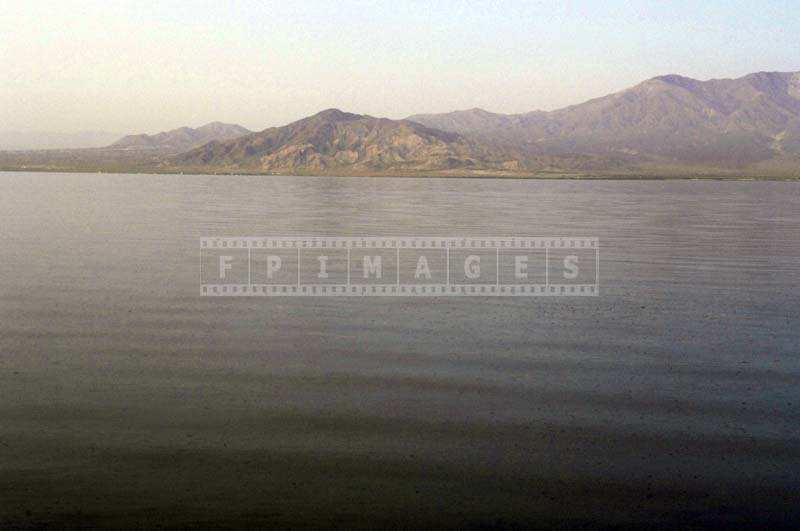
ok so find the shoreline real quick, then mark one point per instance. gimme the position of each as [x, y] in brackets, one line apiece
[534, 177]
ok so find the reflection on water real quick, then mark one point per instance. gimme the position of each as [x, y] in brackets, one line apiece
[673, 393]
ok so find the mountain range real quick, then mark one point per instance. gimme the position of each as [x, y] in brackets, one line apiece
[673, 118]
[665, 125]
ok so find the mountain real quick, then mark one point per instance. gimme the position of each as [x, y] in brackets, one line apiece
[24, 140]
[727, 121]
[667, 125]
[182, 139]
[333, 141]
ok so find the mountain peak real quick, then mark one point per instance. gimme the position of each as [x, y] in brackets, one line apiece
[221, 129]
[673, 78]
[478, 110]
[336, 115]
[216, 125]
[774, 75]
[335, 141]
[676, 80]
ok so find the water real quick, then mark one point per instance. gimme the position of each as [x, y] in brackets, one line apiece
[126, 398]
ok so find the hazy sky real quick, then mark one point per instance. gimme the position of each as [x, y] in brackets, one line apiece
[139, 66]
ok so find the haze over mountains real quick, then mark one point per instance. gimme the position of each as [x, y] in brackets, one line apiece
[183, 138]
[15, 140]
[174, 141]
[668, 124]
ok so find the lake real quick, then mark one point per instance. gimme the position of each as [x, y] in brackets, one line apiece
[126, 398]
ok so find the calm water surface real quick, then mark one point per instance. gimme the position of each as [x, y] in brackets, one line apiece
[126, 398]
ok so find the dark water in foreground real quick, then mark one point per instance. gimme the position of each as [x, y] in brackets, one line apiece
[126, 399]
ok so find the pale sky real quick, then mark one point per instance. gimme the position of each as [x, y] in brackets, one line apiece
[148, 66]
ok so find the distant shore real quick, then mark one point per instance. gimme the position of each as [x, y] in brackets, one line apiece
[429, 175]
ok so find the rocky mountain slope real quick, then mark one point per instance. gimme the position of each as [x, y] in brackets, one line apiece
[333, 141]
[728, 121]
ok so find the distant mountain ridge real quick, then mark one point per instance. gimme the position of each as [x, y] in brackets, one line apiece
[333, 140]
[735, 121]
[181, 139]
[667, 125]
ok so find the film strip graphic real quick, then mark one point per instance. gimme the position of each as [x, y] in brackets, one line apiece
[399, 266]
